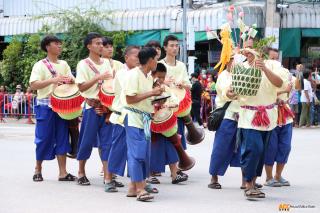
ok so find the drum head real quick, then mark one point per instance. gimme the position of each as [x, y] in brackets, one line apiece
[180, 93]
[107, 86]
[162, 115]
[66, 90]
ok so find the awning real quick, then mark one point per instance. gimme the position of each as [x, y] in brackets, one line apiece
[290, 42]
[311, 33]
[301, 16]
[147, 19]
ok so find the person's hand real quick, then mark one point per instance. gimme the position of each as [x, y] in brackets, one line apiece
[179, 85]
[231, 95]
[260, 65]
[59, 79]
[289, 88]
[68, 80]
[157, 91]
[169, 80]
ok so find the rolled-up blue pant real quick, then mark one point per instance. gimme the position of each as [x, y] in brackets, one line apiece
[51, 134]
[118, 153]
[181, 131]
[279, 145]
[162, 153]
[224, 152]
[253, 146]
[94, 130]
[138, 153]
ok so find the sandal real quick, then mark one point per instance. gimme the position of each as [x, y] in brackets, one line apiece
[37, 177]
[68, 177]
[243, 187]
[153, 180]
[258, 186]
[253, 193]
[155, 174]
[179, 172]
[83, 181]
[215, 185]
[131, 195]
[145, 196]
[110, 187]
[150, 189]
[117, 183]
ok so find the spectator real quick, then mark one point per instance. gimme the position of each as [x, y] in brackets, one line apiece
[17, 101]
[294, 105]
[196, 92]
[306, 98]
[29, 100]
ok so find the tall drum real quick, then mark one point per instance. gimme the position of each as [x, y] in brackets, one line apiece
[106, 93]
[66, 100]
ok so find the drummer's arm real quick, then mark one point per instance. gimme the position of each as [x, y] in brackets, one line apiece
[139, 97]
[36, 85]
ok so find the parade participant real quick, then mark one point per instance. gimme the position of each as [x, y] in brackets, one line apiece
[107, 53]
[90, 74]
[156, 45]
[176, 75]
[257, 117]
[51, 134]
[118, 153]
[224, 151]
[137, 122]
[279, 145]
[162, 149]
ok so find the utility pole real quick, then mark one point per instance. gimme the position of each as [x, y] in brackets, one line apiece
[184, 36]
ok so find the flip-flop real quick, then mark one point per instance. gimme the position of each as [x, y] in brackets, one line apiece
[153, 180]
[68, 177]
[83, 181]
[214, 185]
[252, 194]
[131, 195]
[144, 197]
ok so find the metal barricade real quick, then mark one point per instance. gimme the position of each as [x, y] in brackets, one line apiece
[17, 106]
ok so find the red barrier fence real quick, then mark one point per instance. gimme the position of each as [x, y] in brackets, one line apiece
[17, 106]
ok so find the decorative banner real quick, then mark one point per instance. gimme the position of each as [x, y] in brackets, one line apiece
[252, 33]
[241, 25]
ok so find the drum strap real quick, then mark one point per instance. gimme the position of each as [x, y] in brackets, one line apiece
[146, 117]
[50, 67]
[94, 69]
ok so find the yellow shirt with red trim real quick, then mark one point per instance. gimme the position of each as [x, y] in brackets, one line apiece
[40, 72]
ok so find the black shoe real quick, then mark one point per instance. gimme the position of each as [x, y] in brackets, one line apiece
[83, 181]
[179, 172]
[179, 178]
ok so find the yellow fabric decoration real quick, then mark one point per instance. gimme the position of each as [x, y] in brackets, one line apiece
[226, 52]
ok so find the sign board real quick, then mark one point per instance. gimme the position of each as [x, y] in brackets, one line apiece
[314, 52]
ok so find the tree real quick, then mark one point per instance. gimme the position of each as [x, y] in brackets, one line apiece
[10, 70]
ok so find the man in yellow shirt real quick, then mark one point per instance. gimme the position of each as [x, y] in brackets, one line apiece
[107, 53]
[137, 122]
[257, 117]
[118, 154]
[51, 136]
[176, 74]
[90, 74]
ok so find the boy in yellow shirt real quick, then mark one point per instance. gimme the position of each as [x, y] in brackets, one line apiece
[51, 135]
[137, 122]
[107, 53]
[90, 74]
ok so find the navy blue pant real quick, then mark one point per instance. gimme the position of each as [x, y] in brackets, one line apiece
[118, 153]
[51, 134]
[279, 146]
[223, 151]
[253, 146]
[162, 153]
[93, 131]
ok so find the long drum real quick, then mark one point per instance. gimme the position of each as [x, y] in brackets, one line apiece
[106, 93]
[185, 101]
[66, 100]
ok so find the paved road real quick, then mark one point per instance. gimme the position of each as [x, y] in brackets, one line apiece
[18, 194]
